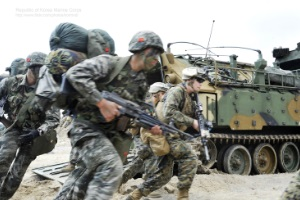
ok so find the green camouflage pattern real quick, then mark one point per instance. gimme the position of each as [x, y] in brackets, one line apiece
[104, 173]
[292, 192]
[99, 42]
[128, 84]
[145, 39]
[60, 60]
[179, 107]
[19, 96]
[246, 107]
[91, 134]
[160, 171]
[35, 58]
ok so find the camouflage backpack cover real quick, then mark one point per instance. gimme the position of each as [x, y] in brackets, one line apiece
[99, 42]
[60, 60]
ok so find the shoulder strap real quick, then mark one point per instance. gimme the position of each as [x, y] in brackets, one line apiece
[119, 63]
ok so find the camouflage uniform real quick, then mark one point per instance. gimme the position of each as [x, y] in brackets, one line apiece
[292, 192]
[91, 134]
[19, 94]
[144, 159]
[180, 151]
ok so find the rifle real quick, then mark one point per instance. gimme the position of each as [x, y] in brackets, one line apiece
[203, 130]
[141, 118]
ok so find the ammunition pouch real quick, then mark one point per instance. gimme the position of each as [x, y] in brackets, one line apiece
[44, 144]
[158, 143]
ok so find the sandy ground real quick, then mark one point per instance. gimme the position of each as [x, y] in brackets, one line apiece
[215, 186]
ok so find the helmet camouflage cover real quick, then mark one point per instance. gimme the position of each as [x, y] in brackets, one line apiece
[60, 60]
[193, 72]
[145, 39]
[157, 87]
[35, 58]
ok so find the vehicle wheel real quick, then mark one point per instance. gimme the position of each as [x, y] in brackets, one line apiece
[220, 158]
[288, 157]
[237, 160]
[264, 159]
[212, 151]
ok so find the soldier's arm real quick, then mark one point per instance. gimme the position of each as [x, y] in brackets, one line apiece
[83, 76]
[52, 120]
[171, 108]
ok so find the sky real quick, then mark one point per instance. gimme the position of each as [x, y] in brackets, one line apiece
[26, 26]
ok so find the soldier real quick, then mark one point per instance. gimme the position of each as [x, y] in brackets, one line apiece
[292, 192]
[152, 143]
[95, 129]
[179, 107]
[17, 144]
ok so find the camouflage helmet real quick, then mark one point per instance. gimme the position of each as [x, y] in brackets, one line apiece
[193, 72]
[145, 39]
[157, 87]
[35, 58]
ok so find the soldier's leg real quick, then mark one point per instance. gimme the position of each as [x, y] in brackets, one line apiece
[159, 177]
[94, 178]
[293, 189]
[8, 149]
[16, 173]
[187, 165]
[132, 168]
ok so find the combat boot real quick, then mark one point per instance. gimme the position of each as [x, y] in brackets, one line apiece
[183, 194]
[135, 195]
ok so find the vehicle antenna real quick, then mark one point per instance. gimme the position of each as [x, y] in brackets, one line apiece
[209, 38]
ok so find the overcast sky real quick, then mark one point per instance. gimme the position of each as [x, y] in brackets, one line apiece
[26, 25]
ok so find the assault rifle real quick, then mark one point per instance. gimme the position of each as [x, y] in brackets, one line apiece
[141, 118]
[203, 127]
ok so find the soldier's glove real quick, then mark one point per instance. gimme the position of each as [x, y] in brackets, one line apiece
[27, 138]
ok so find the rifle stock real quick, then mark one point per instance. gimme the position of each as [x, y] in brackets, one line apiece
[143, 119]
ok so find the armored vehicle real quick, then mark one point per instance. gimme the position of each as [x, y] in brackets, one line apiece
[254, 108]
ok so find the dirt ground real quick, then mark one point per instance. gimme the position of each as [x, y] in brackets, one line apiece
[215, 186]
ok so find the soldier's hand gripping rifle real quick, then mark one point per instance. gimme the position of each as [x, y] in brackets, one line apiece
[204, 132]
[132, 110]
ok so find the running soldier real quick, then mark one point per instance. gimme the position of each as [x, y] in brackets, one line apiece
[178, 106]
[17, 144]
[95, 130]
